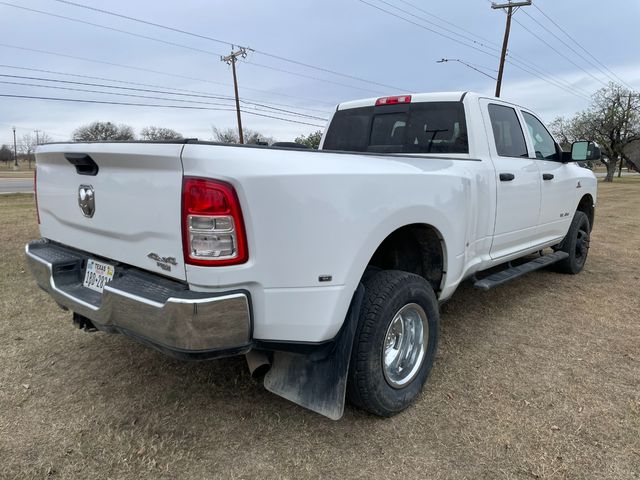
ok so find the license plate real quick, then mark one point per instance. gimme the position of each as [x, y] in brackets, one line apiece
[97, 275]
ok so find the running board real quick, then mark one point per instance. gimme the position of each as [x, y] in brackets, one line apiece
[512, 273]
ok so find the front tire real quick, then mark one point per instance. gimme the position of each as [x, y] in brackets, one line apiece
[395, 342]
[576, 244]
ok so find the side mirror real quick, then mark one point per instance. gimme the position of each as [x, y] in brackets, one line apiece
[584, 151]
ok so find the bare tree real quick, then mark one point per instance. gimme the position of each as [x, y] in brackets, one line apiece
[100, 131]
[612, 120]
[312, 140]
[230, 135]
[29, 142]
[631, 154]
[159, 133]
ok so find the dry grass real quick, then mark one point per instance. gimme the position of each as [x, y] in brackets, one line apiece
[537, 379]
[23, 171]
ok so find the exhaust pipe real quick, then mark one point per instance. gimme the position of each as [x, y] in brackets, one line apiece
[258, 362]
[83, 323]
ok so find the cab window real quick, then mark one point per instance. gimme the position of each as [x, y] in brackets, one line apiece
[507, 131]
[421, 127]
[543, 143]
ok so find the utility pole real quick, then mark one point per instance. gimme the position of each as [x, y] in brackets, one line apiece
[15, 149]
[231, 60]
[505, 42]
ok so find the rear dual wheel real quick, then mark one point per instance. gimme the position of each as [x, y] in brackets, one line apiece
[395, 342]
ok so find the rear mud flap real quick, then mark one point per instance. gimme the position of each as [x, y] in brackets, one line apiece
[318, 382]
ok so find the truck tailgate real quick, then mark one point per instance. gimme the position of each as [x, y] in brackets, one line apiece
[137, 201]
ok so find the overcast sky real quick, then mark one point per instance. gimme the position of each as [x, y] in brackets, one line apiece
[345, 36]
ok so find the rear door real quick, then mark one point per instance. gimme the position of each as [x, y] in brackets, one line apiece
[517, 180]
[558, 185]
[136, 196]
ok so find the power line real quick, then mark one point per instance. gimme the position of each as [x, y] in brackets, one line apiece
[458, 27]
[131, 95]
[68, 82]
[113, 29]
[157, 72]
[567, 58]
[548, 30]
[173, 44]
[575, 92]
[527, 67]
[104, 102]
[546, 77]
[445, 60]
[177, 91]
[600, 65]
[278, 118]
[444, 35]
[185, 107]
[224, 42]
[470, 39]
[311, 77]
[554, 49]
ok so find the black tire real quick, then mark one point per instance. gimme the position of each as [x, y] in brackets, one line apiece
[369, 273]
[386, 293]
[576, 244]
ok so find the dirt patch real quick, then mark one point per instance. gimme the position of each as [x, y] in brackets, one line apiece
[539, 378]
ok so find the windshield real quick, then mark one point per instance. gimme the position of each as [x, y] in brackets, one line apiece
[428, 127]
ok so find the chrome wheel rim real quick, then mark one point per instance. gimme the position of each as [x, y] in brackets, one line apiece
[405, 345]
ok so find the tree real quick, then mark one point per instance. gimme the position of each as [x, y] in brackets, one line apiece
[29, 142]
[159, 133]
[98, 131]
[312, 140]
[612, 120]
[632, 155]
[6, 155]
[230, 135]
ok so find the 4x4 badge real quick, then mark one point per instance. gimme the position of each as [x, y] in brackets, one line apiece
[163, 262]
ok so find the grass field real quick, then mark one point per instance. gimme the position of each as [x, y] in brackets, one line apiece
[537, 379]
[23, 170]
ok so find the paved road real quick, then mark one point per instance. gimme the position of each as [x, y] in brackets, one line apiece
[16, 185]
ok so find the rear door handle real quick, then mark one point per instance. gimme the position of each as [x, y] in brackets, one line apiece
[547, 176]
[507, 177]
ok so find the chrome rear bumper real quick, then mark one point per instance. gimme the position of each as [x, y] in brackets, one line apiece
[147, 307]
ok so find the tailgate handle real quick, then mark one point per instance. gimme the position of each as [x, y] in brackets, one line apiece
[84, 163]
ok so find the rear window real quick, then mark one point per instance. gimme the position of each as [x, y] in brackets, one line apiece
[432, 127]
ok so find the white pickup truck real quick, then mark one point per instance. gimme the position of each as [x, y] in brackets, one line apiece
[325, 266]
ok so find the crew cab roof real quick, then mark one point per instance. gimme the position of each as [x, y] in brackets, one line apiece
[424, 97]
[415, 98]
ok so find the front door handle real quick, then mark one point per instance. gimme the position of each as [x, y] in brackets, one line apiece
[507, 177]
[547, 176]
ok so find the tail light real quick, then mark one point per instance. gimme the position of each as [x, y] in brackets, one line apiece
[212, 226]
[393, 100]
[35, 191]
